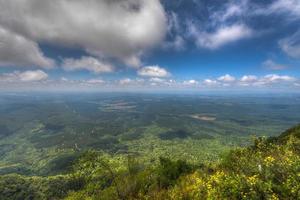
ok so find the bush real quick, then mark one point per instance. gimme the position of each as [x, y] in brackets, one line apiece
[169, 171]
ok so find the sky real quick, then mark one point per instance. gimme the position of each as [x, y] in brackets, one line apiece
[198, 45]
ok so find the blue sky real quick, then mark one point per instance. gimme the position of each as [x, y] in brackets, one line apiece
[141, 44]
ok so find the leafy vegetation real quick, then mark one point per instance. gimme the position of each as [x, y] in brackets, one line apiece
[38, 131]
[181, 134]
[269, 169]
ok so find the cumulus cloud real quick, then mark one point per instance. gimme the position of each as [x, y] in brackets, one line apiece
[16, 50]
[251, 80]
[291, 45]
[38, 79]
[272, 78]
[95, 81]
[26, 76]
[37, 75]
[226, 78]
[129, 82]
[125, 81]
[267, 80]
[248, 78]
[118, 29]
[157, 80]
[153, 71]
[270, 64]
[87, 63]
[210, 82]
[190, 82]
[246, 81]
[162, 82]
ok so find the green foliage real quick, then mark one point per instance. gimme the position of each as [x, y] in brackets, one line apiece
[285, 136]
[170, 135]
[35, 188]
[4, 131]
[62, 164]
[265, 170]
[176, 156]
[36, 130]
[169, 171]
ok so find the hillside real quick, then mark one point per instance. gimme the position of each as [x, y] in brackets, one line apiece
[270, 169]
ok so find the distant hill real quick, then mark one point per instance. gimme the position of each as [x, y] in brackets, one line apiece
[286, 135]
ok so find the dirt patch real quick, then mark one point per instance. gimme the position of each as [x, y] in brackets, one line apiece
[203, 117]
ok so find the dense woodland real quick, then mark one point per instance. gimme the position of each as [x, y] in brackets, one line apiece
[43, 134]
[268, 169]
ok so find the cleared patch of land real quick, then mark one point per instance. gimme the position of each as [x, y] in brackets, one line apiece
[203, 117]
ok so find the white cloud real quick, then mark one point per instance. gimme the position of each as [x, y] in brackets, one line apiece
[251, 81]
[153, 71]
[291, 45]
[224, 25]
[227, 23]
[232, 9]
[190, 82]
[270, 64]
[95, 81]
[16, 50]
[248, 78]
[173, 23]
[171, 83]
[87, 63]
[157, 80]
[108, 28]
[210, 82]
[162, 82]
[290, 7]
[176, 41]
[267, 80]
[226, 78]
[128, 82]
[37, 75]
[177, 44]
[38, 79]
[26, 76]
[125, 81]
[272, 78]
[64, 79]
[297, 84]
[222, 36]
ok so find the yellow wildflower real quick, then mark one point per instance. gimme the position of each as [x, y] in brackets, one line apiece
[252, 180]
[269, 160]
[274, 197]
